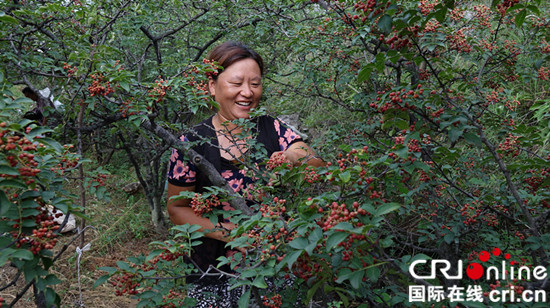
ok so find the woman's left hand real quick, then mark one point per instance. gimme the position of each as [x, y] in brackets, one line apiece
[299, 153]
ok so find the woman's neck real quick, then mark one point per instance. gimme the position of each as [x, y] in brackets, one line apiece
[221, 123]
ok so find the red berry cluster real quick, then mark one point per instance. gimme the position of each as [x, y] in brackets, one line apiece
[311, 176]
[505, 5]
[212, 71]
[99, 86]
[423, 176]
[456, 14]
[538, 178]
[510, 146]
[399, 40]
[338, 213]
[126, 283]
[195, 80]
[166, 255]
[275, 208]
[68, 162]
[44, 236]
[172, 295]
[427, 6]
[431, 26]
[545, 47]
[20, 153]
[482, 15]
[494, 96]
[365, 8]
[470, 213]
[458, 42]
[305, 268]
[202, 205]
[277, 160]
[352, 158]
[71, 70]
[125, 107]
[273, 302]
[437, 113]
[544, 73]
[512, 104]
[159, 90]
[396, 98]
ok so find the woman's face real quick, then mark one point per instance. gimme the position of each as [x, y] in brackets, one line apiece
[238, 89]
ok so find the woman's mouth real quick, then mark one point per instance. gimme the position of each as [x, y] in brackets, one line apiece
[244, 104]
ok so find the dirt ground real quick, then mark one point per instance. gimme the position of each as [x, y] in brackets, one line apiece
[65, 268]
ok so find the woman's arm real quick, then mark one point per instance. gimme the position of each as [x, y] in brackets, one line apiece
[300, 153]
[181, 213]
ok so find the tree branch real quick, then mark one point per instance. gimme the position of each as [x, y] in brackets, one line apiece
[202, 164]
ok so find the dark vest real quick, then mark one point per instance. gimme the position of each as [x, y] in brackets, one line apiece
[265, 134]
[206, 253]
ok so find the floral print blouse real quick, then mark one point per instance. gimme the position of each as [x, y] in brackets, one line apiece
[182, 172]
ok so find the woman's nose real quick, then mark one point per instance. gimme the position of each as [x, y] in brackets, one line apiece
[246, 90]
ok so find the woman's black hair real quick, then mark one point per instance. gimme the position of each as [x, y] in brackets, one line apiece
[230, 52]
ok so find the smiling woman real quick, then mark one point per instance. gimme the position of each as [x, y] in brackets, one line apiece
[237, 88]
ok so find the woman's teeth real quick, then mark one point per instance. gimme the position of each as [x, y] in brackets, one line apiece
[245, 104]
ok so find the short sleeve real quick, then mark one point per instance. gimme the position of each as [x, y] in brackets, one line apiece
[181, 172]
[286, 135]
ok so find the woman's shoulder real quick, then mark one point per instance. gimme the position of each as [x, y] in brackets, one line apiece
[203, 129]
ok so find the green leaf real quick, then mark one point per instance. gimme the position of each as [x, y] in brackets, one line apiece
[380, 62]
[52, 143]
[473, 139]
[290, 259]
[39, 130]
[356, 278]
[7, 170]
[336, 238]
[100, 281]
[108, 269]
[123, 265]
[299, 243]
[259, 282]
[13, 183]
[22, 254]
[153, 254]
[52, 298]
[534, 9]
[385, 24]
[345, 176]
[520, 17]
[449, 4]
[365, 72]
[440, 14]
[125, 86]
[387, 208]
[449, 238]
[7, 19]
[311, 292]
[51, 279]
[373, 273]
[454, 134]
[344, 226]
[5, 203]
[245, 298]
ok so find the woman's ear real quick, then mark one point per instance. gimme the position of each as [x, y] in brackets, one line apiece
[212, 86]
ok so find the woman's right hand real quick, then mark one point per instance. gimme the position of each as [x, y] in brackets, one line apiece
[181, 213]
